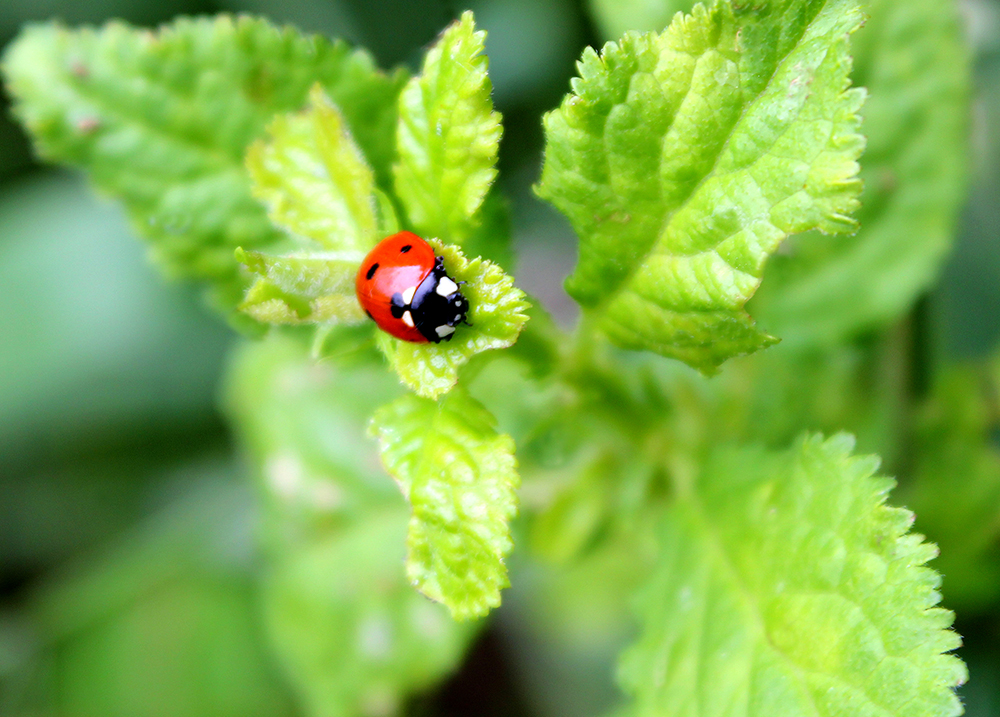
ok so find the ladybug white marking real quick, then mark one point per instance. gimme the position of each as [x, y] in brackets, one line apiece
[446, 287]
[445, 330]
[408, 295]
[408, 319]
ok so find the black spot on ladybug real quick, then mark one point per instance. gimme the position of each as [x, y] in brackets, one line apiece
[403, 250]
[371, 271]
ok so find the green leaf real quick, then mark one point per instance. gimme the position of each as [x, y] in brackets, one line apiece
[305, 288]
[913, 59]
[346, 626]
[448, 136]
[460, 477]
[955, 490]
[313, 178]
[496, 312]
[162, 121]
[353, 636]
[302, 425]
[683, 160]
[177, 579]
[786, 586]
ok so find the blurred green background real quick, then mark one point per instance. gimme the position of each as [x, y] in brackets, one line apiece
[127, 555]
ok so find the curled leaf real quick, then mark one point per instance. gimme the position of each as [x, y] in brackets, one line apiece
[496, 314]
[307, 288]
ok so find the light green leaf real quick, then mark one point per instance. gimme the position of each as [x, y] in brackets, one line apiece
[448, 136]
[683, 160]
[314, 179]
[786, 586]
[353, 636]
[162, 121]
[913, 59]
[460, 477]
[496, 312]
[305, 288]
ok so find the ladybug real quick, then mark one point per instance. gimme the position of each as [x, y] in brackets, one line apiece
[403, 287]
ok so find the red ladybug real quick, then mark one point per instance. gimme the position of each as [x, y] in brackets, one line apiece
[403, 287]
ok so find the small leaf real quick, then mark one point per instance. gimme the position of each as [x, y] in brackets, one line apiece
[162, 121]
[786, 586]
[308, 288]
[496, 312]
[460, 477]
[448, 136]
[314, 179]
[683, 159]
[913, 58]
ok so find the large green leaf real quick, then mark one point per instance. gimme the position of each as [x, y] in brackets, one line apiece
[683, 160]
[460, 477]
[350, 632]
[913, 59]
[448, 136]
[162, 121]
[786, 586]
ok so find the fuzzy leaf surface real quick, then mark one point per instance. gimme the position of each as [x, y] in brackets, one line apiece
[788, 587]
[460, 477]
[162, 121]
[448, 136]
[913, 59]
[307, 288]
[314, 179]
[683, 160]
[496, 312]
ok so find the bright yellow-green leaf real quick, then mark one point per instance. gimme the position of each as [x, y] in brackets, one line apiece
[448, 137]
[913, 59]
[787, 587]
[683, 160]
[314, 179]
[460, 477]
